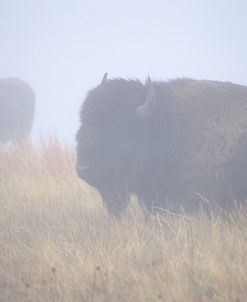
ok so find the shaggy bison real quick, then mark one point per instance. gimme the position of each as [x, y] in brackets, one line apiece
[173, 144]
[17, 102]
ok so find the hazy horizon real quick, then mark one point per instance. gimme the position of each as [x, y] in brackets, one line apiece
[63, 48]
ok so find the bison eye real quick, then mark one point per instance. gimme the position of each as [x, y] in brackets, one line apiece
[86, 138]
[122, 132]
[92, 134]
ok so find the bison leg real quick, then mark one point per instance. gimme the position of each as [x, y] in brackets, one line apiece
[115, 200]
[236, 173]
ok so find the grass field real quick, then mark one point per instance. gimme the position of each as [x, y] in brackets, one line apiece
[57, 242]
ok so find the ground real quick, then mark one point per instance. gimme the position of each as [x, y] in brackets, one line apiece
[59, 244]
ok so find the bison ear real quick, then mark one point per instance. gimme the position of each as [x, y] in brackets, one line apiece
[148, 108]
[104, 80]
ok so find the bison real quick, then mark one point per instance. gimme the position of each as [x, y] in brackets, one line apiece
[173, 144]
[17, 103]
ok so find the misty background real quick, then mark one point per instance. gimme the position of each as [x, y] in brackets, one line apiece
[62, 48]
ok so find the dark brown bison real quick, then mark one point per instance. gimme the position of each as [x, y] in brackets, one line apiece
[173, 144]
[17, 102]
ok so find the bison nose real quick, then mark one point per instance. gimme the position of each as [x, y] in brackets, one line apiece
[83, 171]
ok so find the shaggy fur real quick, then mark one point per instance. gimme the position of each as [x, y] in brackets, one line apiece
[192, 146]
[17, 102]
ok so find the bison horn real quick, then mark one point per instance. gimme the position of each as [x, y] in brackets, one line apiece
[104, 80]
[149, 107]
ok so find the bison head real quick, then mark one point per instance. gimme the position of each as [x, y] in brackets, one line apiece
[116, 137]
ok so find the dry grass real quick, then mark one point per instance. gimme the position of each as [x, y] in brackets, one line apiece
[58, 244]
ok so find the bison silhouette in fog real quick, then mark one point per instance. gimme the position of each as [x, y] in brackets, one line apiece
[17, 102]
[172, 144]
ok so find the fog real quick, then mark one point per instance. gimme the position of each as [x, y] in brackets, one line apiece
[62, 48]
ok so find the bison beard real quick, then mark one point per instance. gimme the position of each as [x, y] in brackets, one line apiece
[169, 143]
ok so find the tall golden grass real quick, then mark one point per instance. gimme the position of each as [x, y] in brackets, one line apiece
[57, 242]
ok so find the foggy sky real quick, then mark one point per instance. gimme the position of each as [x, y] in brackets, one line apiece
[63, 47]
